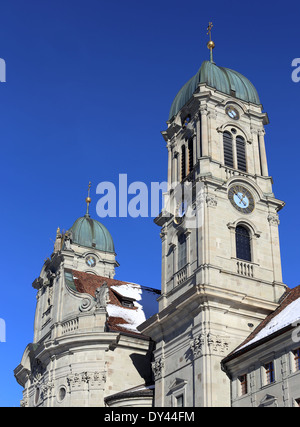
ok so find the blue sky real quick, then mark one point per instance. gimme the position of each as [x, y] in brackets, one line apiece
[88, 91]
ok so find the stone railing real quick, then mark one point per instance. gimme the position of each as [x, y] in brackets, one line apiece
[181, 275]
[244, 268]
[70, 326]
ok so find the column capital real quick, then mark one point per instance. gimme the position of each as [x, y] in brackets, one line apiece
[203, 110]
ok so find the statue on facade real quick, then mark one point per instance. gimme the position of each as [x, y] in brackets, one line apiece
[101, 295]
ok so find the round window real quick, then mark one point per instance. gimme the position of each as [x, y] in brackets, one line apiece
[62, 393]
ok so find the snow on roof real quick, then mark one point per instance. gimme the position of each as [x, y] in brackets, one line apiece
[288, 316]
[133, 318]
[120, 317]
[145, 308]
[129, 290]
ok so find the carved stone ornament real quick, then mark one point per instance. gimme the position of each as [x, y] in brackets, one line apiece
[101, 295]
[273, 219]
[211, 201]
[37, 372]
[94, 380]
[86, 304]
[157, 368]
[50, 278]
[217, 344]
[24, 402]
[68, 238]
[196, 345]
[45, 387]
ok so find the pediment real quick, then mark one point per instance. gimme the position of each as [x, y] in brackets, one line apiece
[268, 400]
[177, 384]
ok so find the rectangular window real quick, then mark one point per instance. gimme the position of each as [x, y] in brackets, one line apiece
[269, 368]
[181, 251]
[297, 359]
[244, 384]
[179, 401]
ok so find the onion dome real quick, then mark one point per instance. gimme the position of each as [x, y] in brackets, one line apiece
[222, 79]
[91, 233]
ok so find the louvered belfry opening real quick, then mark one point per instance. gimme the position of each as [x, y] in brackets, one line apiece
[183, 162]
[241, 153]
[191, 154]
[228, 151]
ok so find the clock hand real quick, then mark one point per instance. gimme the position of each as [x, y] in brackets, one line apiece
[244, 195]
[241, 198]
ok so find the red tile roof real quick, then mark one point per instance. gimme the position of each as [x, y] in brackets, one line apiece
[88, 283]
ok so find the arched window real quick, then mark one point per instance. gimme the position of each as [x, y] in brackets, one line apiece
[241, 153]
[228, 152]
[243, 243]
[183, 163]
[181, 251]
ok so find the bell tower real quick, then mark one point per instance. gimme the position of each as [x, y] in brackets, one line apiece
[221, 266]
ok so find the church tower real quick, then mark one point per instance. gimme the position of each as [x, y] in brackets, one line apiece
[221, 266]
[86, 349]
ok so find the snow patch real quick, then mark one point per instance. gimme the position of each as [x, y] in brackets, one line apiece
[130, 291]
[289, 315]
[133, 318]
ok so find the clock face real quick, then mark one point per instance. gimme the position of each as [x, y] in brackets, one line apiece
[90, 261]
[232, 113]
[241, 199]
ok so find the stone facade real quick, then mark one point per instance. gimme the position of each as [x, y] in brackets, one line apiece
[265, 370]
[79, 354]
[211, 304]
[212, 297]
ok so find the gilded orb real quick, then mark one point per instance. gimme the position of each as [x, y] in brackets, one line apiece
[210, 44]
[88, 200]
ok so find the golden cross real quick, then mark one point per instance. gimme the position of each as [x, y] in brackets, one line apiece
[209, 28]
[210, 44]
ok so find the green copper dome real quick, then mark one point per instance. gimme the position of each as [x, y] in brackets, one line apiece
[223, 79]
[92, 234]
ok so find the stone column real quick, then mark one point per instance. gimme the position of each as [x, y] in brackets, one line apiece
[169, 165]
[263, 155]
[235, 163]
[204, 131]
[276, 258]
[198, 136]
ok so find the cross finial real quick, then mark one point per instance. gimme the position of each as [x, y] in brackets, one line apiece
[209, 28]
[88, 200]
[210, 44]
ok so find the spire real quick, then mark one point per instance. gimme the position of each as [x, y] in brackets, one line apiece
[210, 44]
[88, 201]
